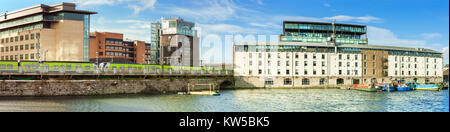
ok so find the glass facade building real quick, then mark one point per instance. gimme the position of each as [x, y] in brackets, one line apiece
[316, 32]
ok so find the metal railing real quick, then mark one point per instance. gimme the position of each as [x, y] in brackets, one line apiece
[111, 71]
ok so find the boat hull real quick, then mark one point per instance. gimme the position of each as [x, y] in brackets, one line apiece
[427, 87]
[403, 88]
[367, 89]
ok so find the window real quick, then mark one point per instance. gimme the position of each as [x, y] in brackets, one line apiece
[314, 56]
[314, 72]
[287, 72]
[374, 57]
[356, 57]
[323, 81]
[340, 57]
[305, 81]
[21, 38]
[348, 72]
[348, 57]
[16, 48]
[287, 55]
[306, 72]
[323, 72]
[21, 47]
[259, 63]
[260, 55]
[287, 81]
[340, 64]
[340, 81]
[250, 63]
[314, 63]
[296, 55]
[296, 63]
[306, 63]
[356, 72]
[26, 56]
[269, 55]
[296, 72]
[279, 63]
[31, 46]
[348, 64]
[26, 37]
[356, 64]
[306, 56]
[287, 63]
[340, 72]
[323, 56]
[259, 71]
[269, 82]
[323, 63]
[26, 47]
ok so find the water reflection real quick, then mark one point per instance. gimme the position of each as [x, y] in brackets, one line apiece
[258, 100]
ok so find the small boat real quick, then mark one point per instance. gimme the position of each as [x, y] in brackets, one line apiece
[386, 87]
[403, 88]
[364, 88]
[431, 87]
[367, 89]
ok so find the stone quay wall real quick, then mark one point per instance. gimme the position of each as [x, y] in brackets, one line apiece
[100, 87]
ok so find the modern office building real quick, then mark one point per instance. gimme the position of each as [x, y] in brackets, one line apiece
[111, 47]
[57, 32]
[177, 41]
[155, 39]
[319, 32]
[329, 64]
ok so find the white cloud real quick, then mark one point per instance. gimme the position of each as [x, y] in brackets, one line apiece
[431, 35]
[266, 25]
[93, 2]
[213, 11]
[142, 5]
[136, 5]
[381, 36]
[327, 5]
[344, 18]
[227, 28]
[260, 2]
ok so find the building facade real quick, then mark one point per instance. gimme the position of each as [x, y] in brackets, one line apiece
[57, 32]
[111, 47]
[319, 32]
[177, 42]
[328, 64]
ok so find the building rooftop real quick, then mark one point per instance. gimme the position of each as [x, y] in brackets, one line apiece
[343, 45]
[41, 8]
[327, 23]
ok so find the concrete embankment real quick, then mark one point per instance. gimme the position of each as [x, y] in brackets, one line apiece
[99, 87]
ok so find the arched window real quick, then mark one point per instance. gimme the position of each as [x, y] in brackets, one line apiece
[305, 81]
[323, 81]
[287, 81]
[340, 81]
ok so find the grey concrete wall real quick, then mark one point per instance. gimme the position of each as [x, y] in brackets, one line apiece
[98, 87]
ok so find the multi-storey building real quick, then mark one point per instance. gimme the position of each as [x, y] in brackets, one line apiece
[45, 32]
[177, 41]
[329, 64]
[155, 39]
[111, 47]
[319, 32]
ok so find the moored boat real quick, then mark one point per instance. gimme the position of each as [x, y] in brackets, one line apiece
[431, 87]
[364, 88]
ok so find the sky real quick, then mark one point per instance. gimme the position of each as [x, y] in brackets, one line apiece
[409, 23]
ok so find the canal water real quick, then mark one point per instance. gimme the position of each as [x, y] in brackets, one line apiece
[256, 100]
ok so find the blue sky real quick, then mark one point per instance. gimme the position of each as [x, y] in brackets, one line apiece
[410, 23]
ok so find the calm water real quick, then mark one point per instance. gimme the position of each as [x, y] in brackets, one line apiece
[260, 100]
